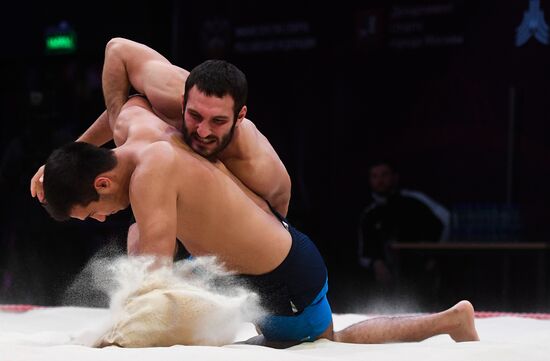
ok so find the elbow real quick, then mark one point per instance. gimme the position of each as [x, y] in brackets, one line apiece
[115, 44]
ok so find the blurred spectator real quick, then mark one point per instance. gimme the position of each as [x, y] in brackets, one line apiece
[396, 215]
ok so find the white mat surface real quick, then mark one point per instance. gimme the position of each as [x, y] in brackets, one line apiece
[46, 334]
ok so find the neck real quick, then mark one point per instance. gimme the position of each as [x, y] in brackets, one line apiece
[236, 148]
[126, 164]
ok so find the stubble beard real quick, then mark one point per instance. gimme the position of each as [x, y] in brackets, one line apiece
[211, 155]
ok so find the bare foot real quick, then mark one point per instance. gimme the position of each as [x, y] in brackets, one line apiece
[464, 327]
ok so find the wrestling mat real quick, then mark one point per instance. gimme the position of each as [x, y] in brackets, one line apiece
[35, 333]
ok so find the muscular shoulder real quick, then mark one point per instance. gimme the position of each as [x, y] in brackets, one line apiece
[138, 123]
[247, 143]
[160, 153]
[156, 160]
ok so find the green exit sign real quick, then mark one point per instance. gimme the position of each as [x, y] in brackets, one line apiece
[61, 43]
[60, 39]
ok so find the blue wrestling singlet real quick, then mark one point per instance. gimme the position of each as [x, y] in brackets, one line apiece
[294, 293]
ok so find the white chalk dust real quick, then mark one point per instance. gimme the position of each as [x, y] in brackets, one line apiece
[192, 302]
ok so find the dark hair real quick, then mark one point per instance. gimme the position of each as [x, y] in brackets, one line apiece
[69, 176]
[218, 77]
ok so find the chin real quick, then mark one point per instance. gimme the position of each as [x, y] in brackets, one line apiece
[205, 152]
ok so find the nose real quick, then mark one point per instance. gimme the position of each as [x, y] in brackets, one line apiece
[203, 130]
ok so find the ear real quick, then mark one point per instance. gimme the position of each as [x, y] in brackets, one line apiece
[241, 116]
[102, 185]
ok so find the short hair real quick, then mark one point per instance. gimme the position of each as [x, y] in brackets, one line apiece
[69, 176]
[219, 78]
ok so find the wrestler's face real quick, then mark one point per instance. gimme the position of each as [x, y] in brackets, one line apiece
[209, 122]
[111, 200]
[99, 210]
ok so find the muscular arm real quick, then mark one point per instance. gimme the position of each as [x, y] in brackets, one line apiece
[153, 198]
[128, 63]
[99, 132]
[252, 159]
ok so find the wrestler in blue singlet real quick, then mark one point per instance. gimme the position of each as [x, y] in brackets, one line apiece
[294, 293]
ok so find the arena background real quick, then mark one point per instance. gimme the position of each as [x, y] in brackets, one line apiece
[438, 87]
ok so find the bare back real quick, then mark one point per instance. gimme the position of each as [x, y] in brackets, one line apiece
[215, 213]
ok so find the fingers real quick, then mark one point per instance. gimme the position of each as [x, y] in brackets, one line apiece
[34, 186]
[40, 190]
[37, 187]
[40, 196]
